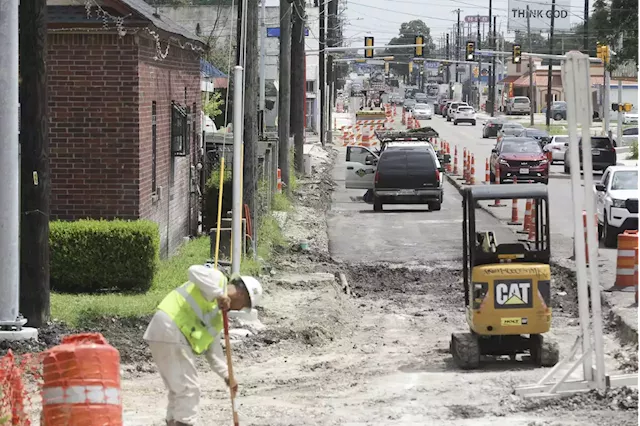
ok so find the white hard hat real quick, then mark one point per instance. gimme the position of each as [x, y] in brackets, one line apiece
[254, 288]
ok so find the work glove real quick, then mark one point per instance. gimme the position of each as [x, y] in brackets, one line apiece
[233, 386]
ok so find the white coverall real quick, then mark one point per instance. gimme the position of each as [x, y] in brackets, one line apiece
[175, 358]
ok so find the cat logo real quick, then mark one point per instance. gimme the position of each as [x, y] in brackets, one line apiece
[513, 294]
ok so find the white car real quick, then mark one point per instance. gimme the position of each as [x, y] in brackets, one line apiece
[617, 203]
[557, 147]
[423, 112]
[630, 117]
[464, 114]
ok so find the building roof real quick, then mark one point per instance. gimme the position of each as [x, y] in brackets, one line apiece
[141, 14]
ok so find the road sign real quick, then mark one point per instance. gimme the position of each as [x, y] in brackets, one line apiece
[472, 19]
[539, 14]
[431, 65]
[275, 32]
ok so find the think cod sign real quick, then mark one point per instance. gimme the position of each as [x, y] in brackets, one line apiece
[539, 15]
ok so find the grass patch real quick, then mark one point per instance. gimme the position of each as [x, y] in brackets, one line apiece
[78, 309]
[634, 151]
[281, 203]
[269, 237]
[554, 129]
[293, 181]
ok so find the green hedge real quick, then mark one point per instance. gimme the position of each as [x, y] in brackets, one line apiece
[90, 256]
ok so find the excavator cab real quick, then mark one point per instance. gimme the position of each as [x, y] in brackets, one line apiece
[507, 286]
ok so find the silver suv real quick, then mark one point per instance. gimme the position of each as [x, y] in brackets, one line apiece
[519, 105]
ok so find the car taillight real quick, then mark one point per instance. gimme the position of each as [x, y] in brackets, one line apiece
[375, 179]
[438, 175]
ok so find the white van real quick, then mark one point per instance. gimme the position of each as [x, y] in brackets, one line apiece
[518, 105]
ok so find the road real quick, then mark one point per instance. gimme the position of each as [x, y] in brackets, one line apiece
[560, 199]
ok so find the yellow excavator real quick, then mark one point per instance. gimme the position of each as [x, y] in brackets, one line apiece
[507, 287]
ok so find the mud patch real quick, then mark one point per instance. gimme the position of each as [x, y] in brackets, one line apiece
[48, 336]
[616, 399]
[564, 296]
[464, 412]
[310, 336]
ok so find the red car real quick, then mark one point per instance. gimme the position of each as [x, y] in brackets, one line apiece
[445, 107]
[519, 158]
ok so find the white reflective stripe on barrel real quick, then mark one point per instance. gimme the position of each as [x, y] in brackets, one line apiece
[626, 253]
[81, 395]
[625, 271]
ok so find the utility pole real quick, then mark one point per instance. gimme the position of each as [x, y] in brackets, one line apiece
[34, 176]
[263, 65]
[478, 42]
[586, 27]
[620, 116]
[532, 97]
[448, 69]
[250, 134]
[550, 71]
[298, 83]
[332, 10]
[493, 68]
[239, 53]
[458, 44]
[284, 91]
[489, 97]
[322, 4]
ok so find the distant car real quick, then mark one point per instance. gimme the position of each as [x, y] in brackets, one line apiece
[492, 126]
[510, 128]
[518, 105]
[603, 154]
[409, 104]
[445, 108]
[407, 176]
[423, 111]
[421, 98]
[440, 105]
[540, 135]
[559, 110]
[617, 203]
[453, 107]
[464, 114]
[629, 117]
[520, 158]
[557, 147]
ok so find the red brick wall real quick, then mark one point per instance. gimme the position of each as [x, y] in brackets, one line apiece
[163, 81]
[93, 126]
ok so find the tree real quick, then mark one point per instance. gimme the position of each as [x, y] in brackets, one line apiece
[406, 35]
[624, 30]
[213, 107]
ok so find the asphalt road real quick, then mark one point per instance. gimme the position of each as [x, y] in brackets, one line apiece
[399, 234]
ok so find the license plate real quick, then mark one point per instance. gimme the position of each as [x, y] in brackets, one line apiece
[524, 171]
[595, 152]
[406, 192]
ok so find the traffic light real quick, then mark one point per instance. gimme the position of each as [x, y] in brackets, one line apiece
[471, 50]
[386, 67]
[368, 41]
[605, 54]
[410, 67]
[615, 107]
[419, 51]
[627, 107]
[599, 51]
[517, 54]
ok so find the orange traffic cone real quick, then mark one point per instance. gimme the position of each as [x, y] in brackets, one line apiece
[455, 160]
[514, 209]
[532, 225]
[527, 218]
[487, 173]
[472, 179]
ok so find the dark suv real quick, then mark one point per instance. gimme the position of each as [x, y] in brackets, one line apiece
[603, 153]
[407, 176]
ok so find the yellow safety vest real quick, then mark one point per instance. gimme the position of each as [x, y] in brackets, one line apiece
[199, 320]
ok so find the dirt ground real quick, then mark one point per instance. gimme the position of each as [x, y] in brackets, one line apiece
[375, 354]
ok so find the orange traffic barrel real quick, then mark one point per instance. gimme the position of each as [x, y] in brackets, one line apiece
[81, 383]
[627, 262]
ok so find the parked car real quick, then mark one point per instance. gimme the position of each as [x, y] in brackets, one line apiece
[617, 203]
[464, 114]
[540, 135]
[518, 105]
[492, 126]
[629, 136]
[409, 104]
[559, 110]
[421, 98]
[445, 108]
[423, 112]
[454, 106]
[407, 175]
[557, 146]
[510, 128]
[629, 118]
[603, 153]
[520, 158]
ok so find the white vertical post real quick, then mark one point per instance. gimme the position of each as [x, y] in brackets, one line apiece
[263, 56]
[9, 166]
[571, 71]
[607, 103]
[583, 85]
[619, 127]
[236, 212]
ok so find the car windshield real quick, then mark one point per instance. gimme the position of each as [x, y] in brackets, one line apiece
[521, 101]
[627, 179]
[521, 148]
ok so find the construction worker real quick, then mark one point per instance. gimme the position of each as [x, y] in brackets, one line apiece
[188, 322]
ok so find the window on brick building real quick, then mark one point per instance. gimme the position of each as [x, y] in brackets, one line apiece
[154, 148]
[194, 136]
[311, 86]
[179, 132]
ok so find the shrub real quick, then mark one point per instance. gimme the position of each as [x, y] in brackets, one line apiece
[96, 255]
[634, 151]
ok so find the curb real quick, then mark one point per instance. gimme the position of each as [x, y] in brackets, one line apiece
[627, 333]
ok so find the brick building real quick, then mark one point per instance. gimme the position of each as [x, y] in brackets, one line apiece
[123, 100]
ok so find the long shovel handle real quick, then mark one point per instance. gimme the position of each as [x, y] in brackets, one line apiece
[227, 346]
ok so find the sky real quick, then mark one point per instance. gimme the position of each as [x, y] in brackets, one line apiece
[382, 18]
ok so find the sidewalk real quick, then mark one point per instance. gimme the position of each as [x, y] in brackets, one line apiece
[623, 311]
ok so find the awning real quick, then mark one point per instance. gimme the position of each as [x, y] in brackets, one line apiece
[539, 81]
[509, 79]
